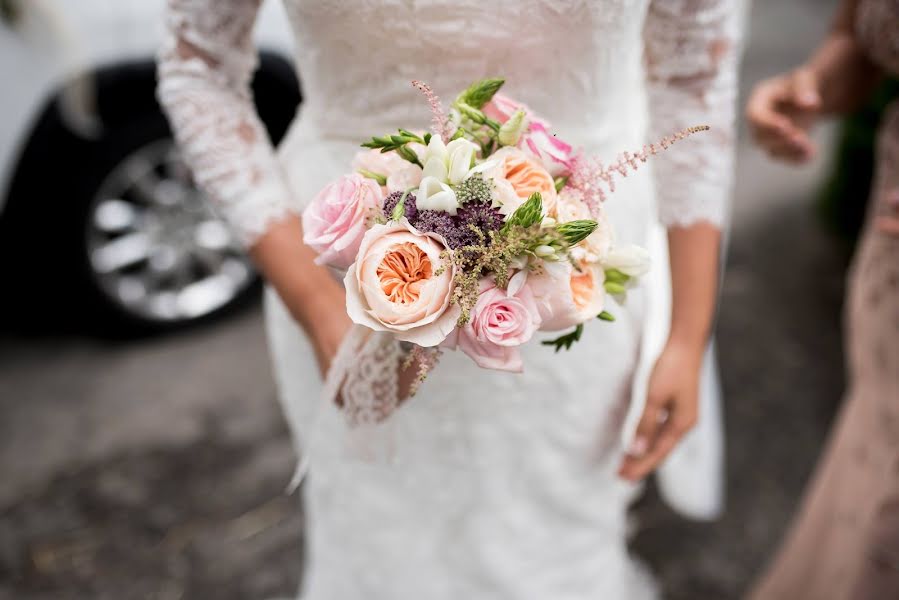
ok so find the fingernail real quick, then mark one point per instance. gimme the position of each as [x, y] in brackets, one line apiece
[638, 446]
[808, 98]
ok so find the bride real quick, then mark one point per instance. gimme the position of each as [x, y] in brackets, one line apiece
[534, 503]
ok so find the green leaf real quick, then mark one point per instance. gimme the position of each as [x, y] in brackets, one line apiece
[576, 231]
[481, 92]
[606, 316]
[528, 214]
[381, 179]
[560, 183]
[565, 341]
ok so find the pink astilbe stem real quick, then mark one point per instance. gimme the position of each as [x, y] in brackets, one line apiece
[424, 359]
[439, 123]
[594, 179]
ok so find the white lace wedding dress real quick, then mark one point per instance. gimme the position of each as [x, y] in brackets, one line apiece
[499, 486]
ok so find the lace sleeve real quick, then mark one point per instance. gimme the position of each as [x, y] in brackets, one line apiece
[692, 53]
[205, 66]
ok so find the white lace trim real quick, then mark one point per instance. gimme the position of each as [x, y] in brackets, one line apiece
[205, 68]
[692, 51]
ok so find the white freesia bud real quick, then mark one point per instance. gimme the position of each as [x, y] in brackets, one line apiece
[548, 222]
[433, 194]
[449, 163]
[511, 131]
[629, 259]
[461, 155]
[545, 251]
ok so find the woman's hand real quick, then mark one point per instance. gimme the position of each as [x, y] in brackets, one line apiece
[672, 407]
[782, 110]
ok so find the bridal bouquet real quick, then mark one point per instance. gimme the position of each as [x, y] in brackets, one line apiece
[476, 235]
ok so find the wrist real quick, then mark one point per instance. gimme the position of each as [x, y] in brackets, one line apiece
[691, 346]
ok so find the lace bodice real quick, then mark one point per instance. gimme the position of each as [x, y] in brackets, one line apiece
[583, 64]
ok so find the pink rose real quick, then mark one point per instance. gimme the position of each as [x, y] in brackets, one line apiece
[566, 296]
[501, 108]
[557, 156]
[501, 320]
[394, 285]
[334, 223]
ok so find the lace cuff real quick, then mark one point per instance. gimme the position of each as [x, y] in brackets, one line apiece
[205, 67]
[692, 54]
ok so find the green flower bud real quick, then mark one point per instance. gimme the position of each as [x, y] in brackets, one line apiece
[614, 288]
[381, 179]
[480, 92]
[577, 231]
[510, 132]
[528, 214]
[616, 276]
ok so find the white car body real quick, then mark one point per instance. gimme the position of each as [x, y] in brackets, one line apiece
[52, 40]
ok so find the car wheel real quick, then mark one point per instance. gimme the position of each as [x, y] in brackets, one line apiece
[156, 254]
[109, 234]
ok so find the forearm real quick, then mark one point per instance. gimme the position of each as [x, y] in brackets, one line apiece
[694, 255]
[308, 290]
[842, 65]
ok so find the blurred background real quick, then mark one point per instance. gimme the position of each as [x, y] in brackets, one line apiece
[142, 451]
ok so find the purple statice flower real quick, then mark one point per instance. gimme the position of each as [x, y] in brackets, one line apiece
[409, 206]
[483, 216]
[441, 223]
[456, 230]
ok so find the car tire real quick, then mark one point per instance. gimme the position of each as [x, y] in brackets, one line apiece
[48, 230]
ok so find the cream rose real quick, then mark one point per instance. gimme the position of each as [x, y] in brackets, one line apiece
[394, 285]
[570, 206]
[567, 296]
[399, 173]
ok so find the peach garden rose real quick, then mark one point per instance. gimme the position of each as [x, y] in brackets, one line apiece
[517, 176]
[397, 284]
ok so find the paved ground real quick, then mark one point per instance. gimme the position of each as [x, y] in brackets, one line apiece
[156, 469]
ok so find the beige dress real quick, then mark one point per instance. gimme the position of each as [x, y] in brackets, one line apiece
[844, 543]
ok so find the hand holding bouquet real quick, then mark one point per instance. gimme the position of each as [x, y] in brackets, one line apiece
[477, 235]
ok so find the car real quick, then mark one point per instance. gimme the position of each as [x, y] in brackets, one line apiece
[101, 224]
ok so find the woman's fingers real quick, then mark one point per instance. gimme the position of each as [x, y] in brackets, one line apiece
[664, 436]
[645, 437]
[775, 111]
[804, 90]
